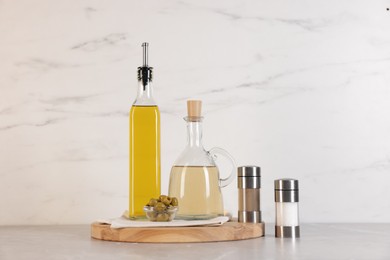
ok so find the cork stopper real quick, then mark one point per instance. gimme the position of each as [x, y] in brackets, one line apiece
[194, 110]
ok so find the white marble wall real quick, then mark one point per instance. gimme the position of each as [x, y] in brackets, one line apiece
[301, 88]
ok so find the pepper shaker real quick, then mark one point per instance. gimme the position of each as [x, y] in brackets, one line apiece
[249, 194]
[286, 206]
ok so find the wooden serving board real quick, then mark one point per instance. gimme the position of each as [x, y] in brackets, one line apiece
[226, 232]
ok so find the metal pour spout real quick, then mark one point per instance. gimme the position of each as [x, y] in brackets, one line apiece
[145, 72]
[145, 46]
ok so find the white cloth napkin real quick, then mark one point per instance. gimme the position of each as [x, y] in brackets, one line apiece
[124, 222]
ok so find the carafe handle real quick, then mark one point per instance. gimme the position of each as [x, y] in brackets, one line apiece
[223, 182]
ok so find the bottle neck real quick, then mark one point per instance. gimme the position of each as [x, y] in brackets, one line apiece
[145, 90]
[194, 130]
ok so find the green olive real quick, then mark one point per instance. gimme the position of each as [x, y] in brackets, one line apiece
[162, 197]
[159, 207]
[162, 217]
[152, 202]
[153, 215]
[174, 202]
[166, 201]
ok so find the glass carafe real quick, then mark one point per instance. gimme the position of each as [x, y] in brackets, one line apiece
[195, 179]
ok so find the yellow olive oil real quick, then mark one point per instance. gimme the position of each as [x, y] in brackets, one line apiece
[144, 158]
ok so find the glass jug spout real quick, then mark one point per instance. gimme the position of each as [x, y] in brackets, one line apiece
[194, 130]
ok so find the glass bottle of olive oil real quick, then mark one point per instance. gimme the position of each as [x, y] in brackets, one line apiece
[144, 143]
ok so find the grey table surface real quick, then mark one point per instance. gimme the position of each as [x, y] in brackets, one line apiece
[318, 241]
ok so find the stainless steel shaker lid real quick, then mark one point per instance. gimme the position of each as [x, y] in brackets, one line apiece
[286, 190]
[249, 171]
[286, 184]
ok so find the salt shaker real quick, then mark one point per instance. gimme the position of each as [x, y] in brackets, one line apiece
[286, 206]
[249, 194]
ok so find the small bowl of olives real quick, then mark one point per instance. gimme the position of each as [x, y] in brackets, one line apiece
[162, 209]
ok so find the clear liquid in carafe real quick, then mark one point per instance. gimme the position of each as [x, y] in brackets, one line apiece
[197, 190]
